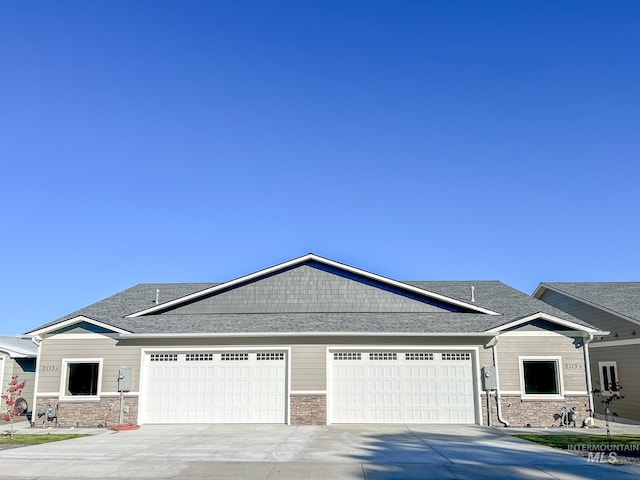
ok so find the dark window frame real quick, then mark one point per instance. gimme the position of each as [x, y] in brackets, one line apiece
[82, 378]
[541, 377]
[609, 378]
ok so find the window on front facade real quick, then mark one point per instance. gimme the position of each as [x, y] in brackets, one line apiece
[82, 378]
[541, 377]
[609, 380]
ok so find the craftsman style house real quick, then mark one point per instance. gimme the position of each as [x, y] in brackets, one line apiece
[314, 341]
[615, 359]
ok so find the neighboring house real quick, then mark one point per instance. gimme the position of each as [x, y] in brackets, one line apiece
[615, 359]
[314, 341]
[18, 357]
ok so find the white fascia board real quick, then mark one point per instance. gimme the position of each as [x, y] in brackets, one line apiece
[304, 334]
[550, 318]
[539, 291]
[303, 259]
[616, 343]
[542, 287]
[73, 321]
[15, 354]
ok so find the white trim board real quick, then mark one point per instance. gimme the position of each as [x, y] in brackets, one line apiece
[615, 343]
[73, 321]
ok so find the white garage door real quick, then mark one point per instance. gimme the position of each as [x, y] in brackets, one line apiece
[401, 387]
[214, 387]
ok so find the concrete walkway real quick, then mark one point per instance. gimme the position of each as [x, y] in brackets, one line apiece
[277, 452]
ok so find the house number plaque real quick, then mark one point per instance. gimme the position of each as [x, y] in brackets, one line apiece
[50, 368]
[573, 366]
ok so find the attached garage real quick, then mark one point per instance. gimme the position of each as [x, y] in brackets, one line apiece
[215, 387]
[401, 387]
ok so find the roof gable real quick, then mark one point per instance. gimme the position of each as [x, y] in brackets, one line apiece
[618, 298]
[357, 303]
[79, 321]
[312, 284]
[546, 321]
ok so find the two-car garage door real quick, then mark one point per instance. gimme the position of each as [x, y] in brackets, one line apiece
[215, 387]
[401, 387]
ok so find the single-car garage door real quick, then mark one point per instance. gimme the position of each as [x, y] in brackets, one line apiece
[401, 387]
[214, 387]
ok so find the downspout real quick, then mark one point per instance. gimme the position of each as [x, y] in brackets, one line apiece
[495, 364]
[38, 342]
[587, 367]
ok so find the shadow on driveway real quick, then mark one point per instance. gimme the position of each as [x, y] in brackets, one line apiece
[456, 452]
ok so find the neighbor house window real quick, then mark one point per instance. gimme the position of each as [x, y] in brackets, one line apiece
[82, 377]
[540, 376]
[609, 380]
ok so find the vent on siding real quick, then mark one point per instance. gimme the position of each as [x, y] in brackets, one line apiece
[270, 356]
[418, 356]
[383, 356]
[230, 357]
[199, 357]
[347, 356]
[164, 357]
[456, 356]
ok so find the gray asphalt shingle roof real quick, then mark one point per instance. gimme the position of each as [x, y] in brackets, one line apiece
[18, 345]
[493, 295]
[620, 297]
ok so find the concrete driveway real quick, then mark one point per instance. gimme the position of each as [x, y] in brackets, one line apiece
[276, 452]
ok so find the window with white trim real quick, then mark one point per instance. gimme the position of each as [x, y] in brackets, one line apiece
[540, 376]
[609, 379]
[82, 377]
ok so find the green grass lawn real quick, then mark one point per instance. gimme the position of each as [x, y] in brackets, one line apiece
[36, 439]
[564, 441]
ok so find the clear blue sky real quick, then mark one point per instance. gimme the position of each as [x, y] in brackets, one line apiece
[188, 141]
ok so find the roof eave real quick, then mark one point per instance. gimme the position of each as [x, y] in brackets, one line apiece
[306, 334]
[17, 354]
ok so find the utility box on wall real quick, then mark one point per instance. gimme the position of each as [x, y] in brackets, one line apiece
[124, 379]
[489, 380]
